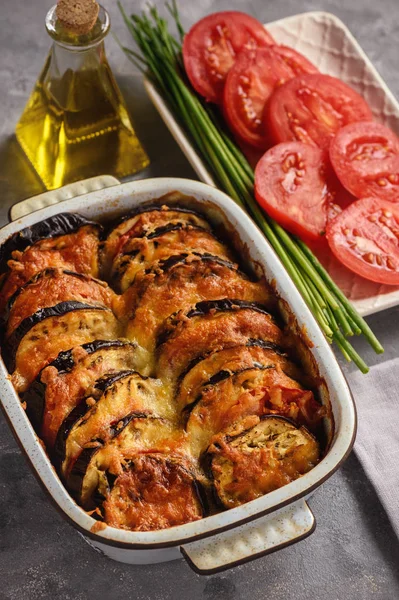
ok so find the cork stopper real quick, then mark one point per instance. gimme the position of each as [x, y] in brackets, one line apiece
[77, 16]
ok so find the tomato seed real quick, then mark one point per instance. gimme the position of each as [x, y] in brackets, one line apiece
[390, 264]
[382, 182]
[288, 163]
[379, 260]
[369, 257]
[387, 213]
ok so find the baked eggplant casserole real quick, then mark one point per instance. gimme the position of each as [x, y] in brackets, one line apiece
[158, 373]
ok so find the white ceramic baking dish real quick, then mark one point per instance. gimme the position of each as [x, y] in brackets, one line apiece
[237, 535]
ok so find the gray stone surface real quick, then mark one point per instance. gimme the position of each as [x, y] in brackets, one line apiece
[353, 553]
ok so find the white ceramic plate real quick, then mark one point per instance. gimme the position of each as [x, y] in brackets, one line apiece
[328, 43]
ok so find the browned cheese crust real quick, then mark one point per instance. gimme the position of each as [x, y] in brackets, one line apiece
[141, 253]
[192, 337]
[159, 293]
[74, 251]
[139, 225]
[52, 286]
[252, 391]
[144, 433]
[257, 456]
[230, 360]
[52, 335]
[65, 390]
[155, 492]
[104, 411]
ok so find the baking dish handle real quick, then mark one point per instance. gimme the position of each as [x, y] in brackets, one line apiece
[25, 207]
[251, 540]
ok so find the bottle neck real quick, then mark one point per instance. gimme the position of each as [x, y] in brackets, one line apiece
[73, 42]
[75, 61]
[66, 59]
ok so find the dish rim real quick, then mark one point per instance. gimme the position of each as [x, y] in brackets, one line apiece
[107, 201]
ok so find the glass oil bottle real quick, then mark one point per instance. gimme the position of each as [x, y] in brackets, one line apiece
[75, 124]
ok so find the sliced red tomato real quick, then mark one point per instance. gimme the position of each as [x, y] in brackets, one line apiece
[249, 85]
[340, 197]
[365, 238]
[297, 62]
[311, 108]
[365, 156]
[291, 185]
[211, 46]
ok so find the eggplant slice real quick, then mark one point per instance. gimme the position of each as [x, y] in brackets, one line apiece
[211, 326]
[256, 353]
[154, 491]
[140, 222]
[178, 283]
[144, 432]
[230, 396]
[41, 337]
[77, 251]
[175, 238]
[52, 286]
[95, 417]
[53, 227]
[259, 455]
[61, 386]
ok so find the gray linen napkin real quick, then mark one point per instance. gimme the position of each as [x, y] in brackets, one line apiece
[377, 443]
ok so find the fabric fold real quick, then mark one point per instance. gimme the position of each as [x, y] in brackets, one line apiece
[377, 443]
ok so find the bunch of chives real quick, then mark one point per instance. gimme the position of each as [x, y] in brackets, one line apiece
[161, 61]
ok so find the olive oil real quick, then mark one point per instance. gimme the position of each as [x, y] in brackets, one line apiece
[75, 124]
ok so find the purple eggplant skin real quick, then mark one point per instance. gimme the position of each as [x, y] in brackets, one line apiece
[40, 275]
[224, 305]
[104, 382]
[203, 308]
[79, 411]
[64, 361]
[57, 225]
[78, 471]
[230, 438]
[206, 458]
[35, 395]
[151, 235]
[62, 308]
[171, 227]
[168, 263]
[217, 378]
[149, 208]
[251, 342]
